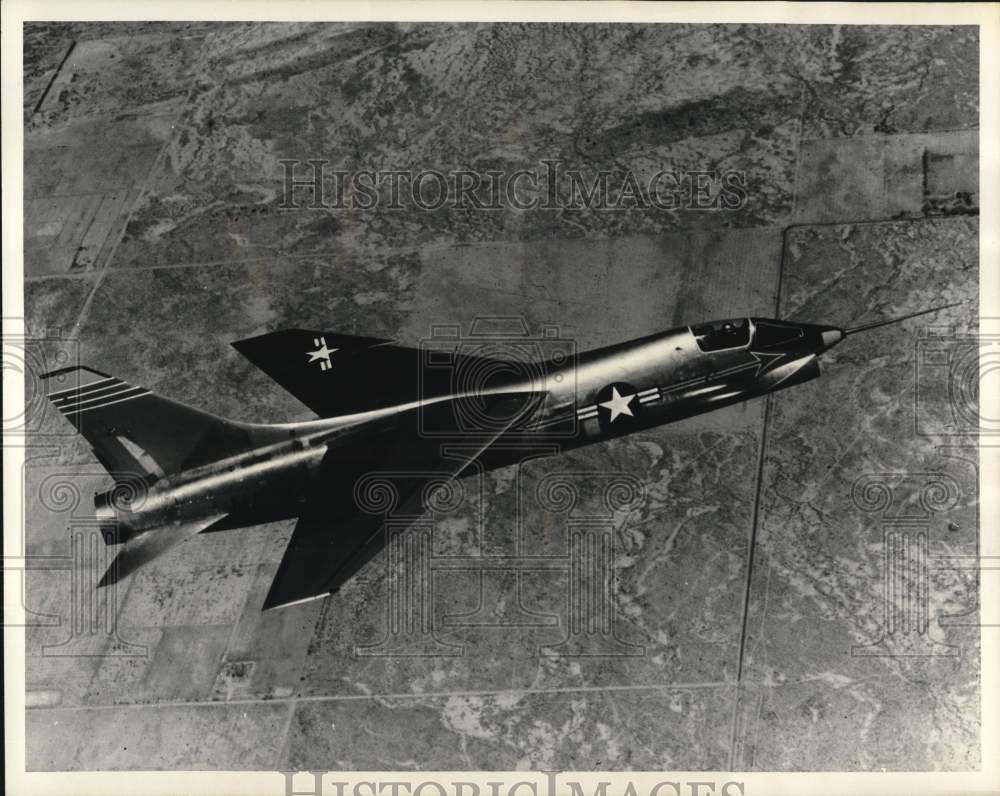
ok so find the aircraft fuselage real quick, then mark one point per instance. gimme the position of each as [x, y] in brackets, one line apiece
[594, 396]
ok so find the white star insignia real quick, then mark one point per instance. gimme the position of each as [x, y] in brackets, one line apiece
[618, 405]
[322, 354]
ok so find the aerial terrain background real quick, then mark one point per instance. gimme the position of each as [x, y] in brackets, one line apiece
[753, 627]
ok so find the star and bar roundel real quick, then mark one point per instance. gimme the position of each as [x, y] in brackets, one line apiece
[618, 405]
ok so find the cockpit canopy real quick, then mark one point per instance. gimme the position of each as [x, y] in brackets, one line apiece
[719, 335]
[774, 333]
[737, 332]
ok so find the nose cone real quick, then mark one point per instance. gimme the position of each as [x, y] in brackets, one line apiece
[831, 337]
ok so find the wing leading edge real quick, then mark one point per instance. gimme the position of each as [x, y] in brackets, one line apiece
[396, 469]
[336, 374]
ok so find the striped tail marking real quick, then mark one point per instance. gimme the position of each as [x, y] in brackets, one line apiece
[95, 395]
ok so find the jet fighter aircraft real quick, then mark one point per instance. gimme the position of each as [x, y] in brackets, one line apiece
[385, 411]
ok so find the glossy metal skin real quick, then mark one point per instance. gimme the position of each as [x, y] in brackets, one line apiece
[598, 395]
[387, 413]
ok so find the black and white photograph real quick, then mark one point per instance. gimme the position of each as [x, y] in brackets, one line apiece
[499, 394]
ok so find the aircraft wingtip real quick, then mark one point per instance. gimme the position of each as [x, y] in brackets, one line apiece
[271, 603]
[109, 578]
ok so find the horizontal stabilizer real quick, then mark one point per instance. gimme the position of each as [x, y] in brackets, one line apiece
[144, 547]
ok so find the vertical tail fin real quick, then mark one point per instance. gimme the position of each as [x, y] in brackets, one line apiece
[134, 430]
